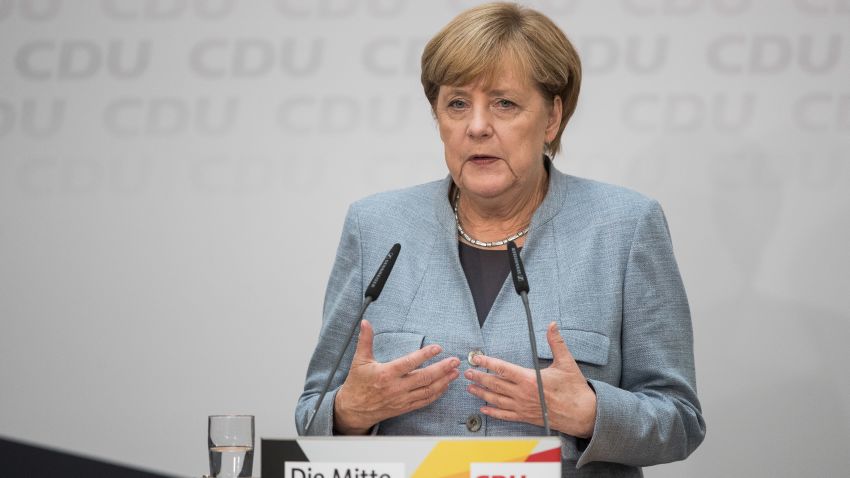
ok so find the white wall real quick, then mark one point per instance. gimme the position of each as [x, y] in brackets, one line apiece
[174, 175]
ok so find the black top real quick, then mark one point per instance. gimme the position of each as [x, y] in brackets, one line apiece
[486, 271]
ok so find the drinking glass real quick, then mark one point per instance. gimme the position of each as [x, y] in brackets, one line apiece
[231, 444]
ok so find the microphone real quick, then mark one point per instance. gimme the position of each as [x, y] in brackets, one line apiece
[373, 291]
[517, 269]
[522, 288]
[377, 284]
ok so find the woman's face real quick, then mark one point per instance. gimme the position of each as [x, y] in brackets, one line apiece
[494, 134]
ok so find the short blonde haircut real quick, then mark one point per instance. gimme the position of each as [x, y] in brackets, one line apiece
[475, 43]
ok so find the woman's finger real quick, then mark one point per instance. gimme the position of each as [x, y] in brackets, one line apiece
[500, 401]
[490, 382]
[433, 390]
[499, 367]
[501, 414]
[363, 352]
[561, 355]
[413, 360]
[423, 377]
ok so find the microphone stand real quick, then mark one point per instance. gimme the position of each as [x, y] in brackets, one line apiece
[372, 292]
[533, 341]
[339, 356]
[522, 288]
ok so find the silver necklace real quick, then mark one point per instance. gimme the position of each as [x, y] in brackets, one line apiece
[476, 242]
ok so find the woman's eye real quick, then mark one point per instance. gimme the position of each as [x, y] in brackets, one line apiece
[505, 104]
[456, 104]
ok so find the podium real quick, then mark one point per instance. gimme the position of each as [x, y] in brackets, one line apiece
[411, 457]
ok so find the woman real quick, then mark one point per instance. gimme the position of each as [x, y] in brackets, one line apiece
[444, 352]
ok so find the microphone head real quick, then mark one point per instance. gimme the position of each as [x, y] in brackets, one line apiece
[517, 270]
[377, 284]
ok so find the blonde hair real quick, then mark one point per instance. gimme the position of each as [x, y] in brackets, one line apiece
[475, 43]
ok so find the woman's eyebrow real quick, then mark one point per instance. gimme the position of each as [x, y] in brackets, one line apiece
[503, 92]
[458, 91]
[493, 92]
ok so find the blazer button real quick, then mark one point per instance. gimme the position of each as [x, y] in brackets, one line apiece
[473, 354]
[473, 423]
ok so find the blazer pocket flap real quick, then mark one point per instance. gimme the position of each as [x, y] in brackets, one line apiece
[586, 346]
[388, 346]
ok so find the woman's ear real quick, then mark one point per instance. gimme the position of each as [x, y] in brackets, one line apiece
[554, 122]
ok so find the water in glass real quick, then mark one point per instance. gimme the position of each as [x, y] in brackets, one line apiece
[231, 445]
[231, 461]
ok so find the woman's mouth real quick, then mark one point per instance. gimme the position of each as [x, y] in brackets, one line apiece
[481, 159]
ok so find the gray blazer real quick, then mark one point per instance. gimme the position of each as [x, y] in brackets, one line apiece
[600, 263]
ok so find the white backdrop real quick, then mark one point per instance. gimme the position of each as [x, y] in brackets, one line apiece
[174, 175]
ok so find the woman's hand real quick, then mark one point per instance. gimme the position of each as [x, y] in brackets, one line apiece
[376, 391]
[511, 391]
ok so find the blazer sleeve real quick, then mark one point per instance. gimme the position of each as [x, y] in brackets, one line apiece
[654, 415]
[343, 300]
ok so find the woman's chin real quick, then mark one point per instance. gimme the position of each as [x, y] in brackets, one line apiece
[485, 189]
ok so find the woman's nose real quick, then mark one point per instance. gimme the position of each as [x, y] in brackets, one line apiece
[480, 123]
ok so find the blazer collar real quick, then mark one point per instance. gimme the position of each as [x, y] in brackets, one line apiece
[548, 209]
